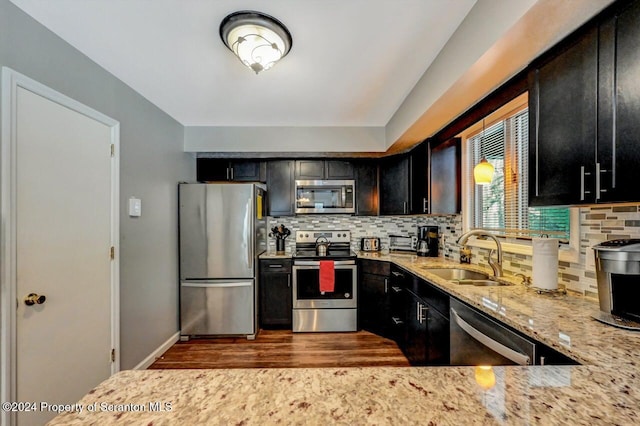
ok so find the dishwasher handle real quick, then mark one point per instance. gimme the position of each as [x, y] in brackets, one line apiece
[515, 356]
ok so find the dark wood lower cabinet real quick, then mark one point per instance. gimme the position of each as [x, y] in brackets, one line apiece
[275, 294]
[421, 330]
[427, 333]
[373, 306]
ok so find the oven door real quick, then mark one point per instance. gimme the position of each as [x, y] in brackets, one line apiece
[306, 286]
[325, 196]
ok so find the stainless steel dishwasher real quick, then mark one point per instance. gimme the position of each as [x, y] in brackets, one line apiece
[478, 340]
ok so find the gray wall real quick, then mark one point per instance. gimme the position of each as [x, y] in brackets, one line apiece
[152, 161]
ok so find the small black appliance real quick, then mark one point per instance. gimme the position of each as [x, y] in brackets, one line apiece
[428, 237]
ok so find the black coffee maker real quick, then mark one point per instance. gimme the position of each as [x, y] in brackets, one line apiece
[427, 241]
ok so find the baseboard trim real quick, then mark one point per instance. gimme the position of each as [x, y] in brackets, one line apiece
[155, 354]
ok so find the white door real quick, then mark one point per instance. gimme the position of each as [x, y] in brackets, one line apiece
[64, 230]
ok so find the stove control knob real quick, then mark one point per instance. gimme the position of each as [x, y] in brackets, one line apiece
[346, 295]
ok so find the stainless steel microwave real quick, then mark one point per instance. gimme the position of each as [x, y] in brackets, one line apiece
[325, 196]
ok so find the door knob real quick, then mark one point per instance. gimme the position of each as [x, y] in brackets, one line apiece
[33, 299]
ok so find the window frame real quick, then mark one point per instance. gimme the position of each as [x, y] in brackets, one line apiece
[568, 252]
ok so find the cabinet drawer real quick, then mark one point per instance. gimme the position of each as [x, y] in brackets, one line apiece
[375, 267]
[279, 265]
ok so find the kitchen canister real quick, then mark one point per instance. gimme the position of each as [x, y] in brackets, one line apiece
[545, 263]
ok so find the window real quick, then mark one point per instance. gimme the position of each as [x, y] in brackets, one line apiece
[502, 206]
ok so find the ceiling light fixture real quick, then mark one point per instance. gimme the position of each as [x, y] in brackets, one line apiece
[257, 39]
[483, 171]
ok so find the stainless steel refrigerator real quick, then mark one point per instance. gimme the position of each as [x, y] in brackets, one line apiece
[222, 233]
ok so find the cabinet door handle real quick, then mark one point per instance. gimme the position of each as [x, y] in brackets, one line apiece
[396, 289]
[424, 205]
[421, 312]
[397, 321]
[386, 285]
[597, 181]
[404, 207]
[275, 266]
[289, 280]
[612, 183]
[582, 176]
[397, 274]
[227, 173]
[231, 173]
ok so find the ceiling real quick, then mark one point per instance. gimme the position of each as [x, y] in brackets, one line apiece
[352, 63]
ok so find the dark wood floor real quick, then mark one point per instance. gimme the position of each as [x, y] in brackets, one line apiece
[281, 348]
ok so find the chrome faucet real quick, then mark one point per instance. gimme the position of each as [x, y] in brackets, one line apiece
[495, 266]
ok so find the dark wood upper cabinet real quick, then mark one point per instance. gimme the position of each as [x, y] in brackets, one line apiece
[419, 181]
[395, 185]
[323, 169]
[212, 169]
[280, 191]
[562, 124]
[404, 182]
[220, 170]
[618, 150]
[248, 171]
[584, 104]
[366, 172]
[309, 169]
[337, 169]
[445, 180]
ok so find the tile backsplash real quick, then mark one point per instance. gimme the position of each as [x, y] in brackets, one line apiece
[363, 226]
[597, 224]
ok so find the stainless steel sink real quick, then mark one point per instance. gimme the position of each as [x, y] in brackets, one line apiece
[465, 277]
[457, 274]
[479, 283]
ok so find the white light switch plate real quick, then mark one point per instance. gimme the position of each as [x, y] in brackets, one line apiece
[135, 207]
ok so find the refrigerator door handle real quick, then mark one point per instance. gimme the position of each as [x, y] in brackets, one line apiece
[226, 284]
[248, 229]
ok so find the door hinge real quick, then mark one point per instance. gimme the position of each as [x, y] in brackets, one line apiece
[112, 252]
[113, 355]
[113, 150]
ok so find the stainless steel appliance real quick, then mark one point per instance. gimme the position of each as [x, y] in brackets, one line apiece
[370, 244]
[325, 196]
[222, 231]
[316, 310]
[478, 340]
[618, 277]
[428, 241]
[403, 242]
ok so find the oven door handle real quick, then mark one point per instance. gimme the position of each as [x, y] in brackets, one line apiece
[314, 264]
[515, 356]
[296, 267]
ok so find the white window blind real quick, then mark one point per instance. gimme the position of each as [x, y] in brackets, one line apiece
[502, 206]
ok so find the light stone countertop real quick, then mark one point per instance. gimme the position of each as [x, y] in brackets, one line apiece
[275, 255]
[560, 395]
[606, 390]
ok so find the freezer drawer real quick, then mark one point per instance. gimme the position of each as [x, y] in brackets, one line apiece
[217, 308]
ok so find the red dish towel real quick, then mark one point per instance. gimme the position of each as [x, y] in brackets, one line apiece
[327, 276]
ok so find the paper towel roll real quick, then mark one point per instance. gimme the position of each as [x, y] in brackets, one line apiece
[545, 263]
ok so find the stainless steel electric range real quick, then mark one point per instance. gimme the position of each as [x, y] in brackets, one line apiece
[315, 310]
